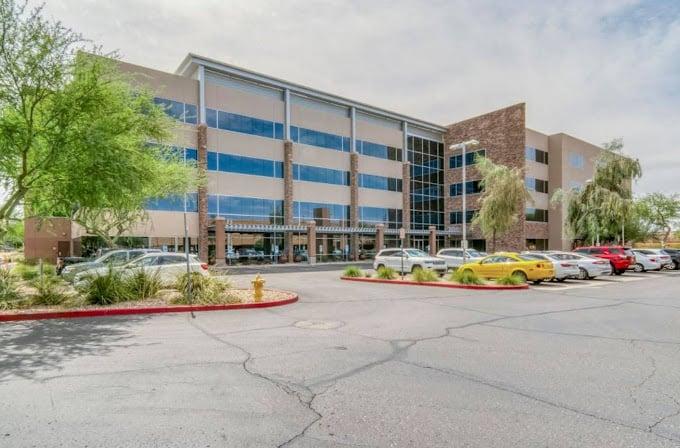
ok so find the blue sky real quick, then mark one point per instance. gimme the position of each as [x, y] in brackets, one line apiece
[596, 70]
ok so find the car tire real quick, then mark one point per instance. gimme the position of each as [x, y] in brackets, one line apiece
[638, 267]
[583, 274]
[537, 282]
[415, 267]
[521, 275]
[380, 266]
[561, 280]
[619, 272]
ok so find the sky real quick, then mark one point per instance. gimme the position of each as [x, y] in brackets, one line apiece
[594, 69]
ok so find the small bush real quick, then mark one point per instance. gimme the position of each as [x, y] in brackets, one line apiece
[352, 271]
[424, 275]
[49, 291]
[9, 293]
[466, 277]
[32, 271]
[143, 285]
[386, 273]
[204, 290]
[509, 280]
[105, 289]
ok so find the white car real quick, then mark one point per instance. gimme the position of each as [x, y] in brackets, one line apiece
[564, 269]
[588, 267]
[412, 259]
[661, 256]
[454, 257]
[169, 266]
[646, 260]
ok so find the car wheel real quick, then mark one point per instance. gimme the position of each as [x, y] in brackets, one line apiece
[521, 275]
[415, 267]
[537, 282]
[619, 272]
[561, 279]
[583, 274]
[380, 266]
[638, 268]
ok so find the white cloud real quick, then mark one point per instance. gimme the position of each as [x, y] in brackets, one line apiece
[596, 70]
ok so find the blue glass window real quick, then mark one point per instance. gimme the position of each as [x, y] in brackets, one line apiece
[212, 204]
[536, 155]
[212, 161]
[250, 210]
[190, 114]
[174, 203]
[211, 118]
[538, 185]
[470, 158]
[378, 150]
[457, 217]
[191, 154]
[247, 125]
[317, 174]
[183, 112]
[230, 163]
[370, 216]
[471, 187]
[328, 214]
[379, 182]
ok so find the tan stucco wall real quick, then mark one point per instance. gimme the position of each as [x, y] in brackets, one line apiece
[378, 134]
[234, 184]
[166, 224]
[165, 85]
[318, 192]
[246, 145]
[369, 197]
[319, 120]
[243, 103]
[380, 167]
[326, 158]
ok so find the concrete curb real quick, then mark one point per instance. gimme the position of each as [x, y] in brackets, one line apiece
[437, 284]
[105, 312]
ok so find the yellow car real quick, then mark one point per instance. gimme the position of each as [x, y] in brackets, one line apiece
[504, 263]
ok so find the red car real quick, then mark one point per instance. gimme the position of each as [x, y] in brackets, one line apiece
[619, 257]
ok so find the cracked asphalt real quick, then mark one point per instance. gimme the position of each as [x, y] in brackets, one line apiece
[354, 364]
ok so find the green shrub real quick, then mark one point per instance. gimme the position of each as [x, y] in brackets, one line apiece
[32, 271]
[143, 284]
[105, 289]
[352, 271]
[386, 273]
[466, 277]
[205, 290]
[9, 293]
[424, 275]
[509, 280]
[49, 291]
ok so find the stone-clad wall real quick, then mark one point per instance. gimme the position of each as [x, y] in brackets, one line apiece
[502, 133]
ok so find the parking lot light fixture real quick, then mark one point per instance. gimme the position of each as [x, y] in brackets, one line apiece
[463, 147]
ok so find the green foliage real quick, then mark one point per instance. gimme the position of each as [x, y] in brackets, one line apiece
[142, 284]
[12, 232]
[106, 288]
[386, 273]
[27, 271]
[659, 212]
[352, 271]
[49, 291]
[597, 211]
[509, 279]
[503, 198]
[74, 130]
[9, 292]
[205, 290]
[465, 277]
[424, 275]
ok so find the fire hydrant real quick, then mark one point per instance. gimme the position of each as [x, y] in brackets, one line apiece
[258, 286]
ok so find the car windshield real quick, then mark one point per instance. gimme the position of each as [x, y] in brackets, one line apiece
[473, 253]
[415, 253]
[531, 257]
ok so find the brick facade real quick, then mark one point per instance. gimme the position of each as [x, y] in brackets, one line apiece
[354, 202]
[288, 197]
[502, 134]
[202, 145]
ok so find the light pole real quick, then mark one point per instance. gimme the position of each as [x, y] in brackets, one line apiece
[463, 146]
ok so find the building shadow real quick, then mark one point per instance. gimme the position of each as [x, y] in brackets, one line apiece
[28, 348]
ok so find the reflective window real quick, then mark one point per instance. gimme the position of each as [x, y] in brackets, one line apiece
[323, 213]
[371, 216]
[470, 158]
[457, 217]
[576, 160]
[318, 174]
[536, 155]
[186, 113]
[379, 182]
[248, 210]
[536, 214]
[320, 139]
[231, 163]
[378, 150]
[538, 185]
[174, 203]
[427, 182]
[471, 187]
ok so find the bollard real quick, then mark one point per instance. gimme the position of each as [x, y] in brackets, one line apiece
[258, 286]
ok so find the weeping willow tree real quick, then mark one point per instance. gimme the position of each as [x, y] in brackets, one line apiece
[503, 198]
[598, 211]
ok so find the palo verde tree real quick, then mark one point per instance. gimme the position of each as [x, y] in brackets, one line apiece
[599, 210]
[75, 132]
[503, 198]
[661, 212]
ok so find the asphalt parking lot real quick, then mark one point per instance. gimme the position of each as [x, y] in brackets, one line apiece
[571, 364]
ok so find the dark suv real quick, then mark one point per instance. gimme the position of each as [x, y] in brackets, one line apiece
[619, 257]
[675, 257]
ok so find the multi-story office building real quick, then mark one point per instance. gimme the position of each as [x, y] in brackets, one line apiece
[295, 172]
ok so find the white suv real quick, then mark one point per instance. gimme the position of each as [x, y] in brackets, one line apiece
[412, 258]
[454, 257]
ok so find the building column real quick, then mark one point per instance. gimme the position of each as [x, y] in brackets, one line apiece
[433, 240]
[202, 193]
[406, 199]
[311, 242]
[379, 237]
[354, 203]
[288, 198]
[220, 242]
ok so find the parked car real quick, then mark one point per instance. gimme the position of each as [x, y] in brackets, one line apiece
[504, 263]
[619, 257]
[663, 257]
[588, 267]
[250, 256]
[110, 258]
[675, 257]
[169, 266]
[454, 257]
[564, 269]
[646, 260]
[412, 259]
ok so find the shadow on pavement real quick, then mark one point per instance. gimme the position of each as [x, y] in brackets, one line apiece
[29, 348]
